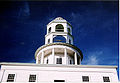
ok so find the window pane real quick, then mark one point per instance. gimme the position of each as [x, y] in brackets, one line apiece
[59, 28]
[85, 78]
[32, 78]
[59, 61]
[106, 79]
[10, 78]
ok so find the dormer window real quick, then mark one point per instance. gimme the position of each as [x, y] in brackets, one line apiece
[49, 30]
[59, 28]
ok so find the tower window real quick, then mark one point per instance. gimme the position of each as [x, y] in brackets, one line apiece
[106, 79]
[47, 61]
[70, 61]
[85, 78]
[48, 41]
[49, 30]
[59, 61]
[32, 78]
[59, 28]
[11, 78]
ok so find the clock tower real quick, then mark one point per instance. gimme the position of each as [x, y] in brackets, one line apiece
[58, 48]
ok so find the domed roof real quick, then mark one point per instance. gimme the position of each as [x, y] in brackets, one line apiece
[58, 19]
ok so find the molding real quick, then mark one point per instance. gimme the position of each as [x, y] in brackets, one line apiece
[59, 22]
[57, 65]
[59, 33]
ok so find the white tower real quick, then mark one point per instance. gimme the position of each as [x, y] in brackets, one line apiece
[58, 48]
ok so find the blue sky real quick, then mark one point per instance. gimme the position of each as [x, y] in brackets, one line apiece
[95, 29]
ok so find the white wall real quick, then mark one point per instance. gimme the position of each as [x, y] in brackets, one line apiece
[67, 73]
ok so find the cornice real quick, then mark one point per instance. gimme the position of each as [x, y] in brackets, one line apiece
[58, 65]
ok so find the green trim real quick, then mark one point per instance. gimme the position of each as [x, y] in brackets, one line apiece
[69, 24]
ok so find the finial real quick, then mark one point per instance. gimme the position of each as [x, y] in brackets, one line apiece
[59, 18]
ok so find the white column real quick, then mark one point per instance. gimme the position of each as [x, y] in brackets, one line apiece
[37, 60]
[53, 56]
[80, 60]
[1, 75]
[65, 56]
[52, 39]
[42, 58]
[75, 58]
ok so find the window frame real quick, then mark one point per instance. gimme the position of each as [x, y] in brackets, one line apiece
[85, 79]
[31, 80]
[59, 60]
[106, 80]
[11, 79]
[59, 28]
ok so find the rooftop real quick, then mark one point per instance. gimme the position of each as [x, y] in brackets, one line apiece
[59, 20]
[57, 65]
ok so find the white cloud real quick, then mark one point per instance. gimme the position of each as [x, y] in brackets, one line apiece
[93, 58]
[24, 10]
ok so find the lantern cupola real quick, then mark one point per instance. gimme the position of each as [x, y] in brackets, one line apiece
[59, 48]
[59, 30]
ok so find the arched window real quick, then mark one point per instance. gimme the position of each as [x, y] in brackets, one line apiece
[59, 28]
[49, 30]
[59, 38]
